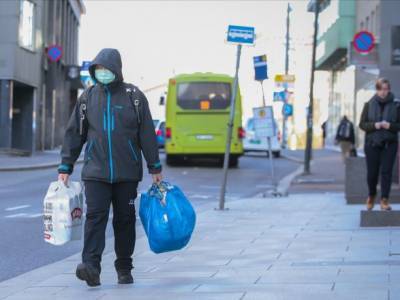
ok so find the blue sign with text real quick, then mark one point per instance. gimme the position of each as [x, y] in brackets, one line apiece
[241, 34]
[287, 110]
[260, 67]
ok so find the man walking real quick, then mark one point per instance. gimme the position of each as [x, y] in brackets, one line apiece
[345, 137]
[113, 119]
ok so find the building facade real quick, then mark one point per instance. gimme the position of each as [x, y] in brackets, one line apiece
[352, 76]
[36, 93]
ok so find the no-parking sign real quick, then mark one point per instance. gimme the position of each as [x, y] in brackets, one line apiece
[363, 42]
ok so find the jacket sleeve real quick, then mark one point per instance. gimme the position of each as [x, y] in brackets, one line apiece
[73, 141]
[366, 125]
[148, 138]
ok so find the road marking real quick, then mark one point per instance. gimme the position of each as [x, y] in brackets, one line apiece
[210, 186]
[199, 196]
[16, 215]
[35, 215]
[16, 207]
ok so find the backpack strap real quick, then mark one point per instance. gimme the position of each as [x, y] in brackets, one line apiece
[83, 109]
[131, 90]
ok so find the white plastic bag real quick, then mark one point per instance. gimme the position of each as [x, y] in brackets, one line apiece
[63, 213]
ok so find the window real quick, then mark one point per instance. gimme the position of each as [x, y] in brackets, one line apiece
[204, 95]
[26, 25]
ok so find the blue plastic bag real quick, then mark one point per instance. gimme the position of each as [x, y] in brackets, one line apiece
[167, 216]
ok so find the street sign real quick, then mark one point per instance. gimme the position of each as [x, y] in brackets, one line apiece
[284, 81]
[264, 124]
[280, 96]
[85, 75]
[260, 67]
[363, 41]
[287, 110]
[241, 35]
[54, 53]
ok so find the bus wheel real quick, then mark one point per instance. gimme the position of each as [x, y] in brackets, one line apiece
[233, 161]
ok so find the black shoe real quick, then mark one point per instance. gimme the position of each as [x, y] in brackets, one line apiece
[89, 274]
[124, 277]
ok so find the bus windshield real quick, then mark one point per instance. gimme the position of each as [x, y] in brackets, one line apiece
[204, 95]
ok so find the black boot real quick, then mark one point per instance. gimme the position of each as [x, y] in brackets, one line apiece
[89, 274]
[125, 277]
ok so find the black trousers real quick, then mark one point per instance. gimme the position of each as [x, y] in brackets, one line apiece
[380, 160]
[99, 196]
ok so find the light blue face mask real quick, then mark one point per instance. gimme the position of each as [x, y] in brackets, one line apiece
[104, 76]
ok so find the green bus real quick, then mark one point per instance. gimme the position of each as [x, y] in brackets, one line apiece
[197, 114]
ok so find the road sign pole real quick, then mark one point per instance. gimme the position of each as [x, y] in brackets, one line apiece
[262, 89]
[271, 161]
[230, 130]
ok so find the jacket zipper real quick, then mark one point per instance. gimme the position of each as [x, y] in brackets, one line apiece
[109, 134]
[133, 150]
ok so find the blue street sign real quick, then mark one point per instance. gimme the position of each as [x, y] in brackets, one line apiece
[287, 110]
[54, 52]
[260, 67]
[85, 65]
[364, 41]
[241, 34]
[280, 96]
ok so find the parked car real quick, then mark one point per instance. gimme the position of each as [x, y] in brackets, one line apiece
[160, 132]
[252, 143]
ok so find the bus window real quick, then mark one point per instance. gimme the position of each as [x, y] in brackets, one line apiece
[204, 95]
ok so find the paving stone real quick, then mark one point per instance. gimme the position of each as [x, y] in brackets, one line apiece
[377, 218]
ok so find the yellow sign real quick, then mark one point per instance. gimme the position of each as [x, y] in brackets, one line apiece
[285, 78]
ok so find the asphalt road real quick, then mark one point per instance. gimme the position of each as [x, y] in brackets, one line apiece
[21, 196]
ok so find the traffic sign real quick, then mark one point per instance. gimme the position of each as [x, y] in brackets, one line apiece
[260, 67]
[287, 110]
[241, 34]
[280, 96]
[284, 81]
[85, 75]
[264, 124]
[54, 52]
[363, 41]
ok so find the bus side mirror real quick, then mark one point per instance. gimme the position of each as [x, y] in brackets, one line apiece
[162, 100]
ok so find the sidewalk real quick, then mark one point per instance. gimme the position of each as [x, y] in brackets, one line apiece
[39, 160]
[305, 246]
[327, 173]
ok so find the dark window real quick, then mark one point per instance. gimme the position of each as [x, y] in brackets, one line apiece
[204, 95]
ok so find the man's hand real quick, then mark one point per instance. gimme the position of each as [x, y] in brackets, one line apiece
[157, 178]
[385, 125]
[64, 178]
[378, 125]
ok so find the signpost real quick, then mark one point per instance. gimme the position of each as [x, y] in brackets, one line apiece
[239, 35]
[264, 126]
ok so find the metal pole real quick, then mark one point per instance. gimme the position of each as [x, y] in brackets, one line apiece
[230, 129]
[263, 94]
[284, 138]
[308, 150]
[271, 161]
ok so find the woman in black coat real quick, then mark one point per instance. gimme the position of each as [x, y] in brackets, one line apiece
[381, 123]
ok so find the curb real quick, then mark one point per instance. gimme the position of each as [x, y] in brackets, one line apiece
[34, 167]
[292, 158]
